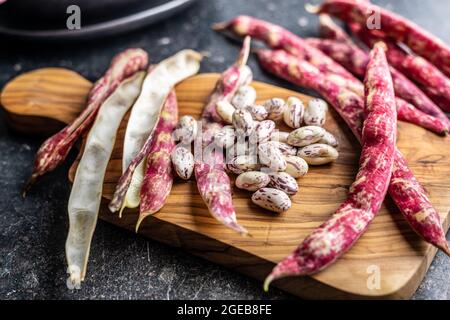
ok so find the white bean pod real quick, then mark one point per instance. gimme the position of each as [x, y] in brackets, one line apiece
[252, 180]
[263, 132]
[243, 122]
[244, 97]
[183, 162]
[225, 111]
[315, 114]
[296, 167]
[275, 108]
[318, 154]
[272, 199]
[283, 182]
[305, 136]
[294, 112]
[186, 130]
[272, 157]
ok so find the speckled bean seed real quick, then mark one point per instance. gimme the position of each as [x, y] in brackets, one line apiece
[296, 167]
[241, 164]
[225, 137]
[258, 112]
[183, 162]
[272, 157]
[316, 112]
[294, 112]
[244, 97]
[280, 136]
[225, 111]
[284, 148]
[186, 130]
[305, 136]
[275, 108]
[243, 122]
[318, 154]
[262, 132]
[329, 139]
[272, 199]
[252, 180]
[284, 182]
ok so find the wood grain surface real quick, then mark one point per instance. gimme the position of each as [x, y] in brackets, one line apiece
[389, 245]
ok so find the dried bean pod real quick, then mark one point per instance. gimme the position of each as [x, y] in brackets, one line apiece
[225, 137]
[252, 180]
[272, 199]
[56, 148]
[275, 108]
[213, 182]
[305, 136]
[296, 167]
[337, 235]
[285, 149]
[393, 26]
[405, 189]
[272, 157]
[316, 113]
[263, 132]
[318, 154]
[284, 182]
[258, 112]
[226, 111]
[280, 136]
[183, 162]
[186, 130]
[294, 112]
[242, 164]
[86, 194]
[329, 139]
[243, 122]
[244, 97]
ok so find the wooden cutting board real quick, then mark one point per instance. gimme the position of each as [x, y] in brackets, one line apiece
[389, 249]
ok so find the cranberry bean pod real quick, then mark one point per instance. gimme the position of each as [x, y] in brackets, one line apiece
[394, 26]
[337, 235]
[279, 38]
[158, 178]
[213, 183]
[404, 188]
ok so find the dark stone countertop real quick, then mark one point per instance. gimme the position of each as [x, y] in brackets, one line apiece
[123, 265]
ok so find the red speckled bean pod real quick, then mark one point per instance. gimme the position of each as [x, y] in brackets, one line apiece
[213, 182]
[337, 235]
[158, 177]
[56, 148]
[404, 188]
[279, 38]
[407, 112]
[393, 25]
[433, 81]
[356, 60]
[330, 30]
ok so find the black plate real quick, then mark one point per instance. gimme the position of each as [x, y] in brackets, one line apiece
[28, 23]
